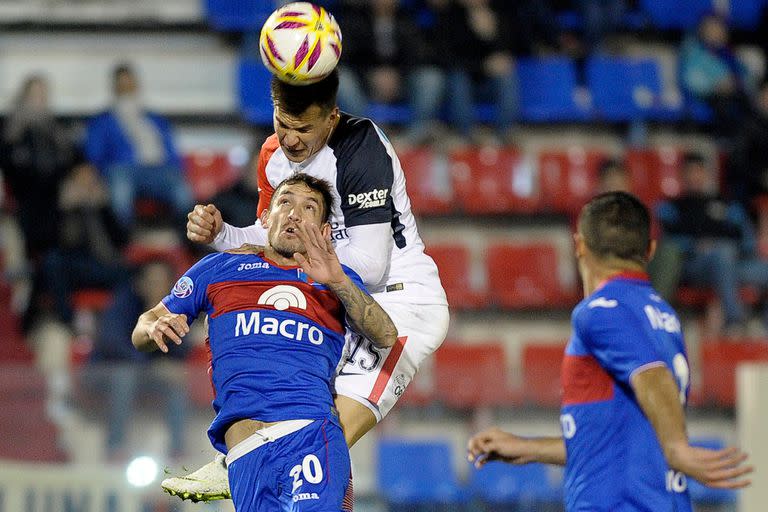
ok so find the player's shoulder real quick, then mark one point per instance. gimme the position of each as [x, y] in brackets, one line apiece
[270, 146]
[354, 132]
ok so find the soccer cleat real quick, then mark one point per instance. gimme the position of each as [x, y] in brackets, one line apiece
[209, 483]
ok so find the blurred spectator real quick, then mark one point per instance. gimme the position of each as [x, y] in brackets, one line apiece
[134, 149]
[127, 370]
[712, 72]
[89, 241]
[239, 201]
[474, 45]
[35, 154]
[613, 176]
[601, 18]
[386, 59]
[716, 240]
[748, 163]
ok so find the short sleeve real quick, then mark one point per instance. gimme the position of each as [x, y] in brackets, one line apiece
[365, 181]
[618, 339]
[188, 296]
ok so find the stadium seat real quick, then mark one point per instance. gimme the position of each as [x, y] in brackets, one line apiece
[745, 14]
[531, 487]
[253, 92]
[542, 363]
[654, 173]
[525, 276]
[668, 14]
[549, 91]
[238, 15]
[454, 263]
[490, 180]
[417, 472]
[208, 173]
[384, 114]
[138, 253]
[703, 495]
[628, 89]
[427, 180]
[697, 297]
[568, 178]
[719, 360]
[469, 376]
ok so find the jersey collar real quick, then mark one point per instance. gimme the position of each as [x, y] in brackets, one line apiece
[627, 274]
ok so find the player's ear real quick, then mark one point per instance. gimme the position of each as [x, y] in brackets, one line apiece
[651, 250]
[578, 245]
[326, 230]
[264, 218]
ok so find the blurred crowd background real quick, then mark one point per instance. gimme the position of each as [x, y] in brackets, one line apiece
[118, 116]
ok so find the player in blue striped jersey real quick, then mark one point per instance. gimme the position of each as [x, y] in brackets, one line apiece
[276, 329]
[625, 383]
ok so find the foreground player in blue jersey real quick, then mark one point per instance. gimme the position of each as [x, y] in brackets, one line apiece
[625, 383]
[276, 329]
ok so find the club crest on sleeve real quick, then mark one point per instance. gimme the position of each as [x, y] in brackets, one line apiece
[183, 287]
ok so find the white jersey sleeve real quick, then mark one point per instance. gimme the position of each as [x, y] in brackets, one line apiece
[231, 237]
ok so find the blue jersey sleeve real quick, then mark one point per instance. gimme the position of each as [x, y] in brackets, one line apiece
[188, 296]
[617, 338]
[356, 279]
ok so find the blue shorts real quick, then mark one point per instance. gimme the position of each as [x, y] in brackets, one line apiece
[306, 470]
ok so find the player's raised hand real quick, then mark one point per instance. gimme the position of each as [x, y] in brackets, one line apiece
[204, 222]
[721, 469]
[320, 262]
[168, 327]
[495, 444]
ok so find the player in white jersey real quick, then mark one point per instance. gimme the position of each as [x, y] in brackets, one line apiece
[374, 233]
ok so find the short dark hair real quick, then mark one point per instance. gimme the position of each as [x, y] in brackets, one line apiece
[296, 99]
[316, 184]
[616, 224]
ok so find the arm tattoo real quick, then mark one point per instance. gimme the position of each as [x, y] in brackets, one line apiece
[365, 314]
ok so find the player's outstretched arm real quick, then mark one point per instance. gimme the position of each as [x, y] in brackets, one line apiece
[322, 265]
[495, 444]
[658, 396]
[206, 226]
[157, 327]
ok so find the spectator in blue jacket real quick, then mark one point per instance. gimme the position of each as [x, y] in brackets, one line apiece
[716, 240]
[713, 73]
[134, 149]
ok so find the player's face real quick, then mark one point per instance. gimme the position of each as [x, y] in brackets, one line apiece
[304, 135]
[292, 205]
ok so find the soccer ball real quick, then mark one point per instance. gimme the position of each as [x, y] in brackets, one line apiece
[300, 43]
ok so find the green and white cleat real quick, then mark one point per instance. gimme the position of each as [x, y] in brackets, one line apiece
[209, 483]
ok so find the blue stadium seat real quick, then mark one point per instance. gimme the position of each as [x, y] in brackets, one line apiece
[670, 15]
[547, 91]
[703, 495]
[383, 113]
[626, 89]
[238, 15]
[745, 14]
[417, 472]
[533, 487]
[253, 92]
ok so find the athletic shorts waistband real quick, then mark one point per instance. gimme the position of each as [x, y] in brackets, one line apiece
[265, 435]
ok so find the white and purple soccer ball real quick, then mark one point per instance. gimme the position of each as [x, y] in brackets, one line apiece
[300, 43]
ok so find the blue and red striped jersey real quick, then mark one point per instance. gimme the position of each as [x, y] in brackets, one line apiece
[614, 461]
[276, 337]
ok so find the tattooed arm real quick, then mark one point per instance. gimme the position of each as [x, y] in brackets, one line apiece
[321, 264]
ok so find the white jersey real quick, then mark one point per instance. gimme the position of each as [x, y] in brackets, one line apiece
[369, 189]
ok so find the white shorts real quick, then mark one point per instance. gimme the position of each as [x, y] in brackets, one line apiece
[377, 377]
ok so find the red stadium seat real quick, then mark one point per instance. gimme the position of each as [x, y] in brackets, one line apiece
[719, 359]
[427, 180]
[468, 376]
[541, 373]
[695, 297]
[454, 263]
[491, 180]
[654, 173]
[91, 299]
[568, 178]
[522, 276]
[138, 254]
[209, 172]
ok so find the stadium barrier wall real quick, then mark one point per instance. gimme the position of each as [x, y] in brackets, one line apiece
[752, 414]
